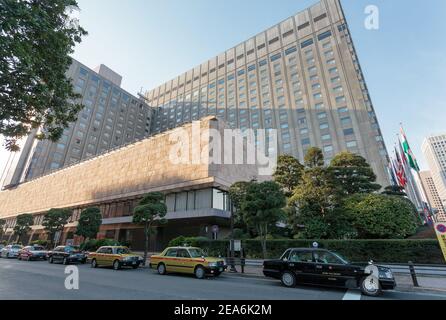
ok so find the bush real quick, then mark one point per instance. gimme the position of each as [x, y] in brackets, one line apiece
[187, 241]
[384, 251]
[43, 243]
[93, 245]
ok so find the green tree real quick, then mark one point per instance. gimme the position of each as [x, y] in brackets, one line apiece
[288, 173]
[89, 223]
[36, 40]
[314, 158]
[2, 228]
[353, 173]
[262, 208]
[377, 216]
[314, 208]
[394, 191]
[23, 225]
[54, 221]
[237, 194]
[150, 209]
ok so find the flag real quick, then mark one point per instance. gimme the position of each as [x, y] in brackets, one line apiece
[399, 170]
[392, 174]
[408, 152]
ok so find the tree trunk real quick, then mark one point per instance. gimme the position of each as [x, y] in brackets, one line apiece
[263, 237]
[146, 243]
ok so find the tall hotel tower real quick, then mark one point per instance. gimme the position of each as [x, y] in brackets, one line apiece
[301, 77]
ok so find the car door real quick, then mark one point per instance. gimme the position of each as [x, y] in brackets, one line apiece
[100, 256]
[331, 269]
[302, 263]
[184, 261]
[109, 258]
[171, 260]
[57, 254]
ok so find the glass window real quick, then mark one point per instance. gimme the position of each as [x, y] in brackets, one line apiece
[348, 132]
[301, 256]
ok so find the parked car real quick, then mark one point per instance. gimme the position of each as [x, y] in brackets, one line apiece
[67, 255]
[326, 268]
[116, 257]
[1, 247]
[10, 251]
[187, 260]
[32, 253]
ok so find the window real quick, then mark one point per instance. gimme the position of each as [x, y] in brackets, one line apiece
[288, 33]
[349, 132]
[306, 43]
[276, 57]
[303, 26]
[317, 96]
[324, 35]
[263, 63]
[342, 109]
[352, 144]
[346, 121]
[323, 126]
[322, 115]
[319, 18]
[252, 67]
[326, 137]
[333, 70]
[260, 47]
[241, 72]
[303, 131]
[319, 106]
[340, 99]
[328, 148]
[316, 86]
[290, 50]
[274, 40]
[306, 141]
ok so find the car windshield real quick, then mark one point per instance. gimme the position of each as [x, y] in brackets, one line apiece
[35, 248]
[122, 251]
[345, 261]
[196, 253]
[16, 247]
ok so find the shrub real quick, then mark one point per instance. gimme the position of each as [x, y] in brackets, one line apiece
[43, 243]
[384, 251]
[93, 245]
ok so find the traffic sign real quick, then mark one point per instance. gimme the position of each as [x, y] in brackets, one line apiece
[440, 229]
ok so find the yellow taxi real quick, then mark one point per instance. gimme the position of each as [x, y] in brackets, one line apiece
[188, 260]
[116, 257]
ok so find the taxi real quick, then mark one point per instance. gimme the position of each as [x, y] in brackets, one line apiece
[116, 257]
[187, 260]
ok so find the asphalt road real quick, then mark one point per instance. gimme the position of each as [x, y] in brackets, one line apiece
[40, 280]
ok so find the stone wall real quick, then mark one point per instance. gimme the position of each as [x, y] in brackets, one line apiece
[130, 171]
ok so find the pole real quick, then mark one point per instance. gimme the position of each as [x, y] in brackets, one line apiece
[233, 269]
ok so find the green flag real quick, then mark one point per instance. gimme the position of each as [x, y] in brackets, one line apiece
[408, 152]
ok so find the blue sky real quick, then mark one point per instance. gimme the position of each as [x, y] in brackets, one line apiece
[151, 41]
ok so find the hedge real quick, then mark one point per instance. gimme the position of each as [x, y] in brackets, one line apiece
[384, 251]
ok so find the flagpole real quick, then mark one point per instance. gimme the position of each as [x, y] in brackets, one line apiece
[423, 189]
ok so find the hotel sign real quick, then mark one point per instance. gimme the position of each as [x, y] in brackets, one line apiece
[440, 228]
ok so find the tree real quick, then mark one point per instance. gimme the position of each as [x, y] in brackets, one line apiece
[149, 210]
[54, 221]
[394, 191]
[23, 225]
[288, 173]
[262, 207]
[89, 223]
[377, 216]
[353, 173]
[237, 194]
[2, 228]
[36, 40]
[314, 158]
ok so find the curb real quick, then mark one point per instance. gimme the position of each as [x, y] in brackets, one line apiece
[400, 288]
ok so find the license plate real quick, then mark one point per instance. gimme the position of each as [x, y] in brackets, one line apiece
[221, 269]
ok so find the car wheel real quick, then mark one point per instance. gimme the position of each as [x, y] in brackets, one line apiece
[19, 257]
[161, 269]
[7, 255]
[288, 279]
[200, 273]
[50, 260]
[65, 261]
[94, 263]
[136, 267]
[370, 286]
[116, 265]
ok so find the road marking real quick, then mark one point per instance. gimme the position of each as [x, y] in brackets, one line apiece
[352, 295]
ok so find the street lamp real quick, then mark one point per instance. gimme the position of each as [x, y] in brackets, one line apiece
[231, 246]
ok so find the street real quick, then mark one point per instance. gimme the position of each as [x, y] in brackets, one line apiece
[20, 280]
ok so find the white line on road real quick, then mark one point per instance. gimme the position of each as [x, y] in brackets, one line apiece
[352, 295]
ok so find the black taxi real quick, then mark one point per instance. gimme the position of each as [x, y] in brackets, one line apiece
[327, 268]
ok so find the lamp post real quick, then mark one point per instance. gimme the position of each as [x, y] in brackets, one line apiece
[231, 244]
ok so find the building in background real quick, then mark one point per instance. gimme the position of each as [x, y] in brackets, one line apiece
[434, 149]
[196, 193]
[432, 195]
[301, 77]
[111, 118]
